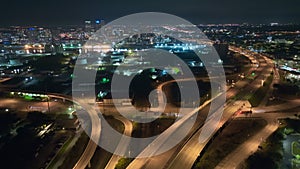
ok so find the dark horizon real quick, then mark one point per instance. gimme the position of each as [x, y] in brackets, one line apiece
[67, 12]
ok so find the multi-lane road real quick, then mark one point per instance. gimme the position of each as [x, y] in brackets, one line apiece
[251, 145]
[184, 156]
[122, 148]
[90, 149]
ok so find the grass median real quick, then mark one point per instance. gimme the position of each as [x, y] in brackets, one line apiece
[236, 133]
[101, 157]
[75, 152]
[260, 94]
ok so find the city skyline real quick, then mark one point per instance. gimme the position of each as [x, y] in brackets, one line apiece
[33, 12]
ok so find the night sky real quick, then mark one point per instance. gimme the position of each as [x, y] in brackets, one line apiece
[68, 12]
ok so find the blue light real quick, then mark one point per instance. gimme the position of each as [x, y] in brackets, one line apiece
[6, 43]
[164, 72]
[31, 29]
[98, 21]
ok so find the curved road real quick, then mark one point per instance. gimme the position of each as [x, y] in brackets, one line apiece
[251, 145]
[95, 132]
[189, 152]
[123, 144]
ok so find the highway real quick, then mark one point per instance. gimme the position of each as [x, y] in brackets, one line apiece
[95, 129]
[185, 159]
[122, 148]
[280, 107]
[192, 148]
[262, 71]
[184, 155]
[242, 152]
[95, 132]
[164, 138]
[189, 152]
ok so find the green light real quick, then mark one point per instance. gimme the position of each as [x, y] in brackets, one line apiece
[253, 74]
[101, 94]
[176, 70]
[104, 80]
[101, 68]
[152, 70]
[26, 97]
